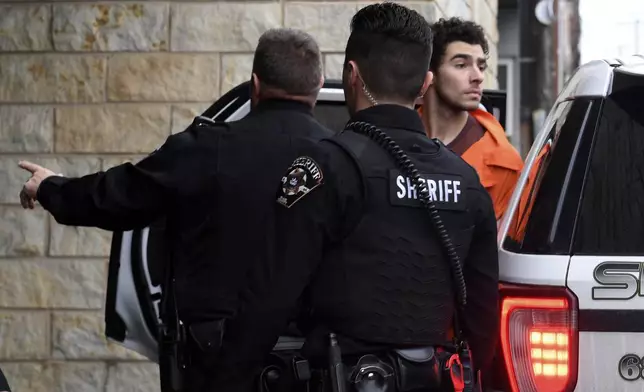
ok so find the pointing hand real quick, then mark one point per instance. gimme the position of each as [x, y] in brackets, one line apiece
[29, 190]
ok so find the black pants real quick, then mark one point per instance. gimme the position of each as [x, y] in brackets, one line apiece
[206, 373]
[275, 375]
[198, 379]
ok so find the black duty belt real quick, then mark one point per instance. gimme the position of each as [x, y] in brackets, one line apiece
[426, 369]
[407, 370]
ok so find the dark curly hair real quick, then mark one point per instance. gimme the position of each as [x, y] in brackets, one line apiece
[392, 45]
[455, 29]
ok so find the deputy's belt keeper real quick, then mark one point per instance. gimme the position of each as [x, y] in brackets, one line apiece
[459, 369]
[460, 372]
[336, 367]
[301, 369]
[471, 383]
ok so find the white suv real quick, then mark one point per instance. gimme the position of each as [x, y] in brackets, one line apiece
[571, 245]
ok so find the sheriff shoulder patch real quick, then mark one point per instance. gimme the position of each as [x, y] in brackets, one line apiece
[301, 178]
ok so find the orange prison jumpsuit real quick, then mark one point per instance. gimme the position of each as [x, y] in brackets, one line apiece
[496, 161]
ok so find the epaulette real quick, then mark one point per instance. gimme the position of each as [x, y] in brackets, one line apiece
[201, 120]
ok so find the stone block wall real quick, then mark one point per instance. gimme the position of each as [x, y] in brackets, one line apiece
[86, 85]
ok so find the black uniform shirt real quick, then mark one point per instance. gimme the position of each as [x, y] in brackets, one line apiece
[215, 186]
[320, 200]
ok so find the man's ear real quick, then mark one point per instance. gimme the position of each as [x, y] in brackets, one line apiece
[254, 90]
[429, 80]
[352, 69]
[256, 83]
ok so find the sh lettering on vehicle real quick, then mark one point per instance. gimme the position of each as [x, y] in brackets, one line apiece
[445, 191]
[619, 280]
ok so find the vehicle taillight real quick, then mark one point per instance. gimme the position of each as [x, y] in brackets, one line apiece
[539, 340]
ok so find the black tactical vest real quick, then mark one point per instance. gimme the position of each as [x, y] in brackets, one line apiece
[389, 281]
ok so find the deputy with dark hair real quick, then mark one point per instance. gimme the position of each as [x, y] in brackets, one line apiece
[384, 234]
[215, 185]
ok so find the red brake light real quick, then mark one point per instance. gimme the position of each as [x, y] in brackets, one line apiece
[538, 338]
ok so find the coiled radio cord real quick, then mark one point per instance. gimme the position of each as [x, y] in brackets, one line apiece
[407, 167]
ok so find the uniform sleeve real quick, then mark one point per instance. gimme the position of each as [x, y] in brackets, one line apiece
[127, 196]
[316, 204]
[481, 272]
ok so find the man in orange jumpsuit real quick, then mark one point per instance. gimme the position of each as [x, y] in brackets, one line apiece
[450, 109]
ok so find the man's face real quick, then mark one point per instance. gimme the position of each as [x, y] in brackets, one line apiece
[459, 78]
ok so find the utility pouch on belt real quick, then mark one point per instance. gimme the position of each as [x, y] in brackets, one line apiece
[285, 372]
[417, 369]
[371, 374]
[204, 341]
[207, 336]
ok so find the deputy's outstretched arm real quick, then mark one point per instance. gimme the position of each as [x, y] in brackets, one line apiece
[315, 202]
[130, 196]
[481, 271]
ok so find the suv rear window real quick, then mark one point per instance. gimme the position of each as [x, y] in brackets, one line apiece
[544, 219]
[611, 219]
[333, 115]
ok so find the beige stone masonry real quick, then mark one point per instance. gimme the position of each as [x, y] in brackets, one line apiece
[79, 335]
[26, 129]
[25, 27]
[52, 78]
[221, 26]
[183, 77]
[25, 335]
[53, 284]
[111, 128]
[22, 233]
[111, 27]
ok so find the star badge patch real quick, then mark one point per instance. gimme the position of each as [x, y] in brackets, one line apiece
[303, 176]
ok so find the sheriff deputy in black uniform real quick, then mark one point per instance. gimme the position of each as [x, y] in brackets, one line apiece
[387, 235]
[214, 184]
